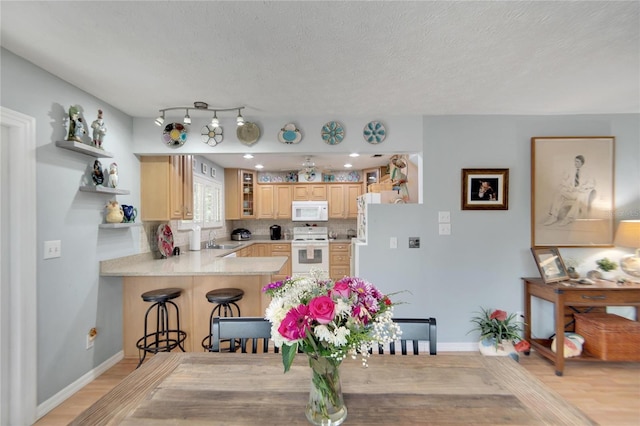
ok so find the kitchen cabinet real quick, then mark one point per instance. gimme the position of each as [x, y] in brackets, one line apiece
[239, 194]
[166, 187]
[274, 201]
[375, 175]
[343, 200]
[281, 249]
[339, 261]
[309, 192]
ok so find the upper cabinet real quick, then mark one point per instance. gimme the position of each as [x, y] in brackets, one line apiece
[343, 200]
[309, 192]
[166, 187]
[239, 194]
[274, 201]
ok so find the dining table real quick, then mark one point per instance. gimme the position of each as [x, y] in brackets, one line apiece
[251, 389]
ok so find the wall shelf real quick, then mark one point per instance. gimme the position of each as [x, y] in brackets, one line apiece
[84, 149]
[104, 190]
[118, 225]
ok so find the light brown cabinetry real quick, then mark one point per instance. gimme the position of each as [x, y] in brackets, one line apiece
[166, 187]
[343, 200]
[274, 201]
[283, 249]
[239, 194]
[339, 262]
[309, 192]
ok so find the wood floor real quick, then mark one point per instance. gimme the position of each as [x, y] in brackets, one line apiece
[609, 393]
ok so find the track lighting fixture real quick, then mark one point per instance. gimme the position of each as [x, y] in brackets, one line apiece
[160, 119]
[201, 106]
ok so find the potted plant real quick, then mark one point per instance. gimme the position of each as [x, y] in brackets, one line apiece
[499, 333]
[606, 265]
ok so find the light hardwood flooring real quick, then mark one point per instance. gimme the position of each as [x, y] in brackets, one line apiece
[609, 393]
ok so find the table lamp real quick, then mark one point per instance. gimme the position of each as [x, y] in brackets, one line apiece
[628, 235]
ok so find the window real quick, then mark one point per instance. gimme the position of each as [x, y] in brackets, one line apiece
[207, 204]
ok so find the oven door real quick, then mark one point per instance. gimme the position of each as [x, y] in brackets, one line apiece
[309, 255]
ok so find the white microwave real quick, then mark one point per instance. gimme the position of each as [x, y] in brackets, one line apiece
[309, 211]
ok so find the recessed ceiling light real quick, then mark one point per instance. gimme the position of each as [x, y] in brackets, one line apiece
[348, 166]
[259, 166]
[354, 154]
[247, 156]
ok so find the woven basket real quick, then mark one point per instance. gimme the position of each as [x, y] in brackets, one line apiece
[609, 337]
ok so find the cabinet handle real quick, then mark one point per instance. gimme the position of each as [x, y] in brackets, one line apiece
[594, 297]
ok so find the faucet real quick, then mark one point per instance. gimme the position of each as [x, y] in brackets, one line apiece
[212, 241]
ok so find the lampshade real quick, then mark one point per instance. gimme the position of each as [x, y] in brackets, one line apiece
[628, 235]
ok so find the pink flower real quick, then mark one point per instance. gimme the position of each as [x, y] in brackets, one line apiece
[341, 288]
[498, 315]
[322, 309]
[295, 324]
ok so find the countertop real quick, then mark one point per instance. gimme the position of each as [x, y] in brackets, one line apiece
[202, 262]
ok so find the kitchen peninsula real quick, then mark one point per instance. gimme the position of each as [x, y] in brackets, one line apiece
[196, 273]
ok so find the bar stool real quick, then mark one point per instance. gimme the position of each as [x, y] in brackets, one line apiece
[163, 338]
[225, 299]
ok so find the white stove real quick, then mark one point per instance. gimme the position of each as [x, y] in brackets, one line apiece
[309, 249]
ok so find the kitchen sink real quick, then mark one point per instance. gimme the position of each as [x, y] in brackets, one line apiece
[225, 246]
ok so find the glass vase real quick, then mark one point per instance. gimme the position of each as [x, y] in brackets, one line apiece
[326, 405]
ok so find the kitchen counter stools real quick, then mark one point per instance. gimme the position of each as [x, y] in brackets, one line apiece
[163, 338]
[225, 300]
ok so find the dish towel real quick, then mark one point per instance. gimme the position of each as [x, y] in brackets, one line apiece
[309, 252]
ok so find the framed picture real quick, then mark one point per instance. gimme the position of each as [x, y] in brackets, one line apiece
[485, 189]
[550, 264]
[572, 191]
[213, 172]
[204, 168]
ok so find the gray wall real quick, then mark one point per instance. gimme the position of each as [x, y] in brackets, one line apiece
[72, 297]
[480, 264]
[482, 261]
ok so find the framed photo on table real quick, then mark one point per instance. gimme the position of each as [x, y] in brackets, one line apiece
[572, 191]
[485, 189]
[550, 264]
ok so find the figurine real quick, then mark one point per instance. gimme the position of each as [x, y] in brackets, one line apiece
[115, 214]
[76, 126]
[98, 177]
[113, 175]
[99, 130]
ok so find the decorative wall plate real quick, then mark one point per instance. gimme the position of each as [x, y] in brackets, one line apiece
[164, 237]
[211, 135]
[292, 177]
[175, 135]
[333, 133]
[310, 176]
[248, 133]
[289, 134]
[374, 132]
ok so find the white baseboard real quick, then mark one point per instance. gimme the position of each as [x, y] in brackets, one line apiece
[458, 347]
[74, 387]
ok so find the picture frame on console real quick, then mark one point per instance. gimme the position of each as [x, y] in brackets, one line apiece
[572, 191]
[550, 264]
[485, 189]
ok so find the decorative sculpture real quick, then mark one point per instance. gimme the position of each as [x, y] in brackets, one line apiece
[76, 126]
[99, 130]
[113, 175]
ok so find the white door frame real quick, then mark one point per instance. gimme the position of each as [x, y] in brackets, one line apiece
[18, 350]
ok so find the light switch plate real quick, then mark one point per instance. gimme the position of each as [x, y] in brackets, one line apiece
[52, 249]
[393, 242]
[444, 217]
[444, 229]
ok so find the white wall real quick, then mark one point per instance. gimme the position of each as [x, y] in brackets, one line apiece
[480, 264]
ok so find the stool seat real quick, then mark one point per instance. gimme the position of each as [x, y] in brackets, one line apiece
[161, 294]
[225, 295]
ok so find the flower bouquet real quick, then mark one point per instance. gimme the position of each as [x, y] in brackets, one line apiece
[328, 321]
[498, 329]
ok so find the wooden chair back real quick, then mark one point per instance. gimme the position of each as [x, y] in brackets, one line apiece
[414, 330]
[257, 330]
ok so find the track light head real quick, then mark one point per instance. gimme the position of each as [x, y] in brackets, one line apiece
[160, 119]
[187, 119]
[240, 118]
[214, 121]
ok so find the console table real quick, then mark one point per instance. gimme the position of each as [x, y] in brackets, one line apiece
[579, 296]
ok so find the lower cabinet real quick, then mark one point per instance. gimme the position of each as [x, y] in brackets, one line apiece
[339, 262]
[284, 249]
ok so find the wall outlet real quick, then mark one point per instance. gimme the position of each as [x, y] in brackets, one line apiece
[414, 242]
[52, 249]
[444, 217]
[393, 242]
[91, 337]
[444, 229]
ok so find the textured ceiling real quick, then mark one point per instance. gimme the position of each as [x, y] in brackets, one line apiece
[339, 58]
